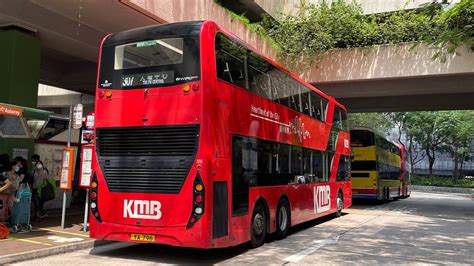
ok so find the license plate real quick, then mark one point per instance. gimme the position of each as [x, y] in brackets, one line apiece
[142, 237]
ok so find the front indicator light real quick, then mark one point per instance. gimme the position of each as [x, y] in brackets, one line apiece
[198, 210]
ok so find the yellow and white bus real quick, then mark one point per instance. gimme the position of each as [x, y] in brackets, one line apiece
[376, 166]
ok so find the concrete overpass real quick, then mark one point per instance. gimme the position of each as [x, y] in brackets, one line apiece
[396, 78]
[384, 78]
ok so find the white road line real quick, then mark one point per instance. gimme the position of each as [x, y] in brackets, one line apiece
[318, 244]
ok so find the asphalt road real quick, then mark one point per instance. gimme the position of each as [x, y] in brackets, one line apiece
[425, 228]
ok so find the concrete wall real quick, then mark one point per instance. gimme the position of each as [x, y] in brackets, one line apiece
[185, 10]
[387, 61]
[278, 7]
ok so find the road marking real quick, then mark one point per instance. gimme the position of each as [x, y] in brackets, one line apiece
[60, 239]
[318, 244]
[29, 241]
[59, 231]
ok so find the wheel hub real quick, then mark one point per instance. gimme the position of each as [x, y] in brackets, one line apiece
[283, 218]
[258, 224]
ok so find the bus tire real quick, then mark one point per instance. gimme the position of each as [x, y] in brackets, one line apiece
[399, 195]
[283, 219]
[258, 226]
[387, 194]
[339, 204]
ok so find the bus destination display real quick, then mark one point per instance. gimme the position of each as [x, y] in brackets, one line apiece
[145, 79]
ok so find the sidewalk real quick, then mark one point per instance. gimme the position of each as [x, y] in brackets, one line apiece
[47, 237]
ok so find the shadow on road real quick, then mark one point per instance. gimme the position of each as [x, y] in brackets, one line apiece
[179, 255]
[173, 255]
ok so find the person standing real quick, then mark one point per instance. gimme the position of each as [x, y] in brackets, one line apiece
[11, 184]
[39, 175]
[22, 172]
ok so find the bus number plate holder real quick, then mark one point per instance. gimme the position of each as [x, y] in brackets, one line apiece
[142, 237]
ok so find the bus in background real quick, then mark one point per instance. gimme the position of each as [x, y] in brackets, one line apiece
[376, 166]
[405, 172]
[202, 142]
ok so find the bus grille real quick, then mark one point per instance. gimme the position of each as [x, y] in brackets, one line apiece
[147, 159]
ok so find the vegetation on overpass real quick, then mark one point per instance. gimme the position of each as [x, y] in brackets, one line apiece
[316, 29]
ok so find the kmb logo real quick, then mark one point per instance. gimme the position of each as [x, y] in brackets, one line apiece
[142, 209]
[322, 199]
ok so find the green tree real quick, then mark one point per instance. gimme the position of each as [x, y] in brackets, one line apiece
[459, 139]
[431, 131]
[403, 122]
[377, 121]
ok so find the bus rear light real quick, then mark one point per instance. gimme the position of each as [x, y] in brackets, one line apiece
[198, 187]
[198, 210]
[101, 94]
[195, 86]
[186, 88]
[108, 93]
[94, 199]
[198, 201]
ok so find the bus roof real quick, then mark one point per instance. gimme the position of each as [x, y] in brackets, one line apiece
[375, 133]
[194, 27]
[150, 32]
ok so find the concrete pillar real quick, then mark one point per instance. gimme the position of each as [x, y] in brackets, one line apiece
[19, 76]
[19, 68]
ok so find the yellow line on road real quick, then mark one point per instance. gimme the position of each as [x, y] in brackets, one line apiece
[29, 241]
[61, 232]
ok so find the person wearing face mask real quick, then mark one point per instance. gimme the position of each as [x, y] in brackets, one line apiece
[9, 187]
[22, 172]
[40, 174]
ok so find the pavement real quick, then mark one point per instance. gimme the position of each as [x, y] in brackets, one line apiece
[427, 228]
[47, 237]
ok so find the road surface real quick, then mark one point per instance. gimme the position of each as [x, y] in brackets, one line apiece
[425, 228]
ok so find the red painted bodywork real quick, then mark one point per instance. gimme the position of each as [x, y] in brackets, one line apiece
[406, 185]
[222, 110]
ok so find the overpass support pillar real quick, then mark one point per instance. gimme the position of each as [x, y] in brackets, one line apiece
[19, 68]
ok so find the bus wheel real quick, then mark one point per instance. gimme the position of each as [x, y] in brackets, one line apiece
[282, 219]
[258, 228]
[384, 194]
[387, 194]
[339, 204]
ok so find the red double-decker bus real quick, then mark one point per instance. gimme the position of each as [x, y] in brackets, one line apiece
[202, 142]
[405, 172]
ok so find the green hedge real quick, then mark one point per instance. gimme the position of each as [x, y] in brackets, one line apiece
[442, 181]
